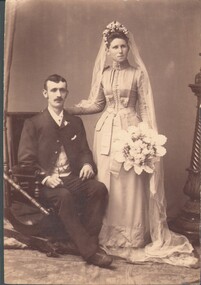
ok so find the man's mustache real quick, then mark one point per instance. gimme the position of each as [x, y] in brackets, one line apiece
[58, 100]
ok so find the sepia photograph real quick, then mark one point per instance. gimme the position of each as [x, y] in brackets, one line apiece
[101, 142]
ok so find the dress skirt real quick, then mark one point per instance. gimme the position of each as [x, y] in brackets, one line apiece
[126, 223]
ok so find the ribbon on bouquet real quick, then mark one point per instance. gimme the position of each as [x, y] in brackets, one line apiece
[115, 167]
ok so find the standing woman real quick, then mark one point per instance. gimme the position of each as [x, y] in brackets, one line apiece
[135, 225]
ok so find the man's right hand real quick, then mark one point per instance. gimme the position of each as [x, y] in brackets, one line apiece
[53, 181]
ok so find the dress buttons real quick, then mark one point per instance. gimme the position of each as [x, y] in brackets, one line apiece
[58, 141]
[56, 152]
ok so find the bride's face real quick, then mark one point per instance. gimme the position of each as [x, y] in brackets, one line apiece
[118, 50]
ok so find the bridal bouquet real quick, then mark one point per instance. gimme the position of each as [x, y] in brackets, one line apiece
[139, 147]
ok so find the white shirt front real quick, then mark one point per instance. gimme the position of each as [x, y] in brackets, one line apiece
[57, 118]
[62, 167]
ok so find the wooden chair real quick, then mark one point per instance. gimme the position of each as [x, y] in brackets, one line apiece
[34, 223]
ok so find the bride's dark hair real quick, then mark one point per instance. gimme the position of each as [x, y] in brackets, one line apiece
[116, 35]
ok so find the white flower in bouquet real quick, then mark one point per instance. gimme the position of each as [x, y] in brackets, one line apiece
[139, 147]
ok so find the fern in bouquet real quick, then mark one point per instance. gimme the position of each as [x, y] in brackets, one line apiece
[139, 147]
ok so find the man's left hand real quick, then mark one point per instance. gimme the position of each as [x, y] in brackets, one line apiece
[86, 172]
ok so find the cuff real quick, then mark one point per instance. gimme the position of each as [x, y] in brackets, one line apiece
[44, 180]
[88, 165]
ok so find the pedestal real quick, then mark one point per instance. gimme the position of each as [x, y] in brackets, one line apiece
[188, 222]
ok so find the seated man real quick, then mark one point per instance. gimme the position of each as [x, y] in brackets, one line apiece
[56, 143]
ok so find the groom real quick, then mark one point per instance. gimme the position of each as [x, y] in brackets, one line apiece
[55, 142]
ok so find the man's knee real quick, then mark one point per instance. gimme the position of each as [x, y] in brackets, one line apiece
[103, 189]
[100, 189]
[63, 196]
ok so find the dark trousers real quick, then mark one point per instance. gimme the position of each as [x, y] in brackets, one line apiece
[80, 205]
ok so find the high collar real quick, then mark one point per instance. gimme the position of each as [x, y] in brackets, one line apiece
[120, 65]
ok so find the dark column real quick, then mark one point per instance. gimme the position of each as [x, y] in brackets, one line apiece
[188, 222]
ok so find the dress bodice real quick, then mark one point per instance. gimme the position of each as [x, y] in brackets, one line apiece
[120, 86]
[120, 91]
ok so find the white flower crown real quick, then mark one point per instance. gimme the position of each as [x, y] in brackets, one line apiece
[113, 27]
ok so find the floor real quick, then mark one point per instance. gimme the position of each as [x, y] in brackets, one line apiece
[25, 266]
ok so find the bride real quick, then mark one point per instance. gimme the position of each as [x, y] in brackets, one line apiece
[135, 226]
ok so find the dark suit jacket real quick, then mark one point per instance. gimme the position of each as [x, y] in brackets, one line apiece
[42, 138]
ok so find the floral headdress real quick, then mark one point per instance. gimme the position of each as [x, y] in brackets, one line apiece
[113, 27]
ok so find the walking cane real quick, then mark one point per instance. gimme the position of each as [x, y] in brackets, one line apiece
[25, 194]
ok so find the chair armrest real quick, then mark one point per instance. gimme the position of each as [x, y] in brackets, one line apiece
[29, 178]
[28, 172]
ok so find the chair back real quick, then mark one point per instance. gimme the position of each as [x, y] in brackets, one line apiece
[15, 122]
[14, 125]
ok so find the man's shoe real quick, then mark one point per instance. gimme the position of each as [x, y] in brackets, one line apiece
[100, 259]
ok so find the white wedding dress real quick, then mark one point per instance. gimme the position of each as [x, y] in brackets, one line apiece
[135, 225]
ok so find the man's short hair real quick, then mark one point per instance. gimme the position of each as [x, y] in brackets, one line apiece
[55, 78]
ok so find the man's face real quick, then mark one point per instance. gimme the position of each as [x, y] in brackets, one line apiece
[56, 94]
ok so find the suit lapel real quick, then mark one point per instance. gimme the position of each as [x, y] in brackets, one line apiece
[48, 118]
[64, 123]
[67, 128]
